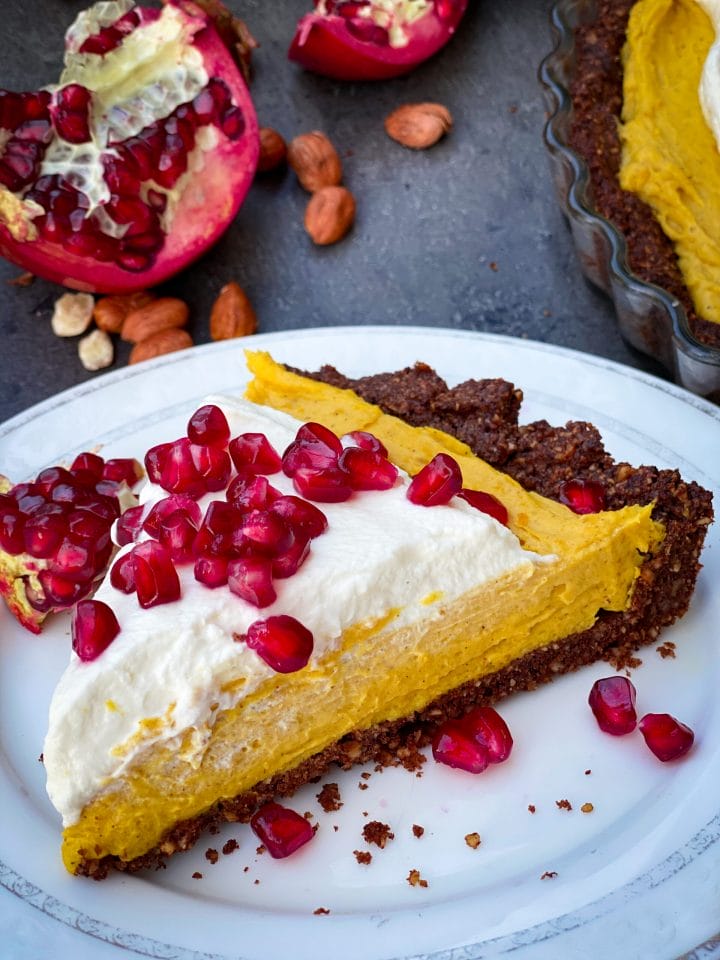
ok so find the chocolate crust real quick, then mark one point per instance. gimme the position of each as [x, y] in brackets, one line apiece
[484, 414]
[597, 95]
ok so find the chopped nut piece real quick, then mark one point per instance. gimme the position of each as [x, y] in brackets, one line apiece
[96, 350]
[587, 808]
[230, 847]
[321, 912]
[473, 840]
[415, 880]
[212, 855]
[563, 805]
[72, 314]
[197, 875]
[417, 830]
[531, 807]
[362, 856]
[549, 875]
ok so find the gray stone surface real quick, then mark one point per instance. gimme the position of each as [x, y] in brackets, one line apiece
[466, 235]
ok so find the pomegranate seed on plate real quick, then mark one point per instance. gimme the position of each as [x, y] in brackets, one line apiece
[367, 469]
[301, 515]
[455, 746]
[612, 700]
[164, 508]
[208, 426]
[122, 573]
[156, 579]
[250, 578]
[326, 485]
[283, 831]
[121, 469]
[488, 728]
[89, 462]
[213, 466]
[667, 737]
[211, 571]
[253, 453]
[129, 526]
[365, 440]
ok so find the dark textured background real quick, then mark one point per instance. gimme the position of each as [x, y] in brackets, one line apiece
[465, 235]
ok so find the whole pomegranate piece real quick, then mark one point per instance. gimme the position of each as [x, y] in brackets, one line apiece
[136, 161]
[373, 39]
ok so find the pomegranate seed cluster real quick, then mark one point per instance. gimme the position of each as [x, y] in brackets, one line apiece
[612, 701]
[60, 524]
[474, 741]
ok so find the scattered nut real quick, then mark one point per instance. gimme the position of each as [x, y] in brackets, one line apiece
[587, 808]
[160, 343]
[96, 350]
[329, 215]
[418, 125]
[22, 280]
[232, 314]
[273, 150]
[473, 840]
[164, 313]
[315, 161]
[110, 312]
[72, 314]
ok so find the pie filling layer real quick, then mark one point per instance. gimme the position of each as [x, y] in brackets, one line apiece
[670, 158]
[381, 664]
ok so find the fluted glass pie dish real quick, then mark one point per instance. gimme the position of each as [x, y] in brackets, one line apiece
[649, 317]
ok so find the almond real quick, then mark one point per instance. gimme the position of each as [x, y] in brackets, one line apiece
[315, 161]
[418, 125]
[329, 215]
[157, 344]
[273, 150]
[161, 314]
[109, 312]
[232, 314]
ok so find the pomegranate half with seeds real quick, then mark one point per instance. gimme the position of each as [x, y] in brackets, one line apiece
[135, 163]
[373, 39]
[55, 534]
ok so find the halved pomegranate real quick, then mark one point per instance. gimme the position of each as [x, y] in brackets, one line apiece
[55, 534]
[373, 39]
[137, 160]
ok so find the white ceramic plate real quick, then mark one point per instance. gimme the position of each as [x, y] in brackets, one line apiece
[637, 877]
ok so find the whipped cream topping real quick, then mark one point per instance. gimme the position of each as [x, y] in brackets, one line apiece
[165, 671]
[709, 91]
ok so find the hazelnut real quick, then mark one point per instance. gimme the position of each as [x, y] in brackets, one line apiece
[315, 161]
[418, 125]
[329, 215]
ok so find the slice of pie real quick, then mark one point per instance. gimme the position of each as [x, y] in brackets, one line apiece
[264, 651]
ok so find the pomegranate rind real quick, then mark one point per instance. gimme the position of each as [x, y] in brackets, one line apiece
[208, 204]
[322, 44]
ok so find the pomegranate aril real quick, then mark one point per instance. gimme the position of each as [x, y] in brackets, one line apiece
[367, 470]
[232, 123]
[154, 461]
[71, 113]
[328, 485]
[486, 503]
[364, 440]
[43, 534]
[211, 571]
[166, 507]
[300, 515]
[94, 627]
[156, 579]
[122, 573]
[583, 496]
[179, 474]
[74, 561]
[61, 591]
[283, 831]
[266, 532]
[89, 463]
[314, 446]
[122, 470]
[212, 465]
[46, 479]
[253, 453]
[84, 525]
[107, 507]
[209, 426]
[177, 533]
[488, 728]
[250, 578]
[129, 526]
[455, 746]
[247, 492]
[31, 503]
[667, 737]
[368, 32]
[437, 483]
[288, 563]
[12, 525]
[612, 701]
[282, 642]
